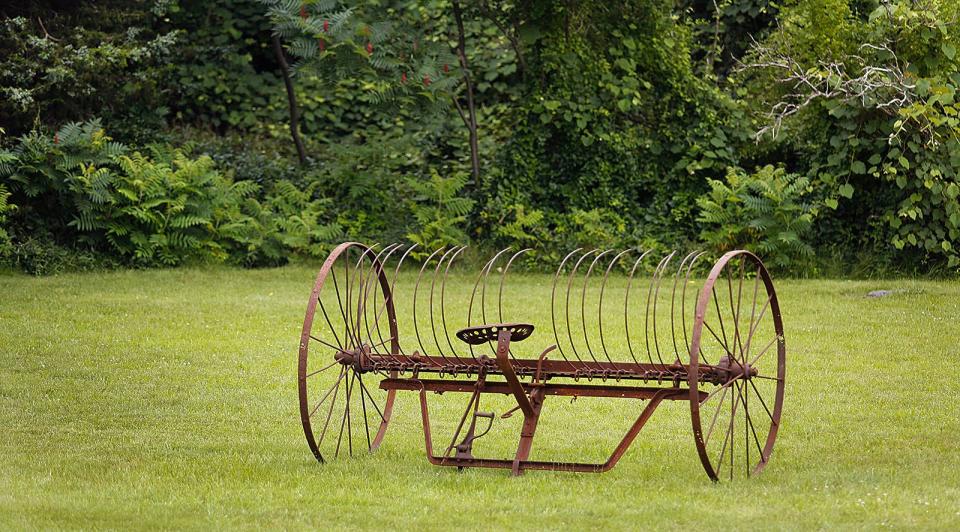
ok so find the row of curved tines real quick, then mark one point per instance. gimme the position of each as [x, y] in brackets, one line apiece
[583, 362]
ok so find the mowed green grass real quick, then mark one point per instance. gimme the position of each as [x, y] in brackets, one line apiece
[168, 399]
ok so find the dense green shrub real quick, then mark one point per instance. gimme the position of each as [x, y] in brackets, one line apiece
[615, 122]
[162, 206]
[767, 212]
[114, 68]
[609, 124]
[869, 106]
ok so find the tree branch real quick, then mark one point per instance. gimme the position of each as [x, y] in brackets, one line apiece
[510, 35]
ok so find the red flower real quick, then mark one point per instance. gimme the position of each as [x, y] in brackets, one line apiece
[321, 45]
[326, 25]
[369, 47]
[446, 68]
[403, 77]
[426, 81]
[303, 11]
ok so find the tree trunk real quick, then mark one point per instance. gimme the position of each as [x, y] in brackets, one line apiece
[470, 119]
[291, 100]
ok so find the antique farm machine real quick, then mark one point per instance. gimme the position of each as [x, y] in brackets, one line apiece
[622, 326]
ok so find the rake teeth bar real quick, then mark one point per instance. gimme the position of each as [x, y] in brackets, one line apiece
[728, 359]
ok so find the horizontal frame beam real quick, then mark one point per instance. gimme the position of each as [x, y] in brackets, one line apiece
[564, 390]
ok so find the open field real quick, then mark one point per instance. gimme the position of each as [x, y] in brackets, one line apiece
[168, 399]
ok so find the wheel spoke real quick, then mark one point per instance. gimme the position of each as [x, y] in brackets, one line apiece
[372, 401]
[346, 415]
[736, 317]
[331, 346]
[330, 324]
[753, 430]
[713, 422]
[753, 311]
[757, 324]
[746, 435]
[716, 303]
[326, 423]
[778, 379]
[327, 394]
[325, 368]
[721, 342]
[372, 347]
[363, 401]
[764, 350]
[733, 415]
[762, 402]
[721, 388]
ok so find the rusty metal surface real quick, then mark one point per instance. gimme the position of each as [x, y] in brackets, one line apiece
[727, 360]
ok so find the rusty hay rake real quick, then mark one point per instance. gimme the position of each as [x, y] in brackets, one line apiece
[614, 333]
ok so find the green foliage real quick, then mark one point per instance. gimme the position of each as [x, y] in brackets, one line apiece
[599, 124]
[333, 41]
[5, 208]
[766, 212]
[160, 206]
[82, 71]
[287, 222]
[616, 122]
[439, 211]
[888, 120]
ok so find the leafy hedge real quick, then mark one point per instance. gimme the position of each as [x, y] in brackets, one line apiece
[808, 130]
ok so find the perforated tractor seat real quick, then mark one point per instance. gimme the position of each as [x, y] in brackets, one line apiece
[482, 334]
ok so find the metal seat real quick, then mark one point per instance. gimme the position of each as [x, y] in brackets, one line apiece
[481, 334]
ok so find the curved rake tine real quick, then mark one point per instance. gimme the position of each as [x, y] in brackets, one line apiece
[603, 286]
[673, 300]
[626, 305]
[573, 272]
[443, 289]
[376, 308]
[553, 295]
[657, 278]
[683, 302]
[359, 277]
[348, 336]
[473, 294]
[373, 276]
[503, 276]
[583, 302]
[416, 288]
[483, 301]
[433, 284]
[393, 285]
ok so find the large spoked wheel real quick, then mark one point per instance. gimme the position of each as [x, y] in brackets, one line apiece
[349, 316]
[737, 368]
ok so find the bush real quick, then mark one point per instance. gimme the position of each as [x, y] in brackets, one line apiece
[766, 212]
[5, 207]
[159, 206]
[114, 68]
[440, 212]
[869, 106]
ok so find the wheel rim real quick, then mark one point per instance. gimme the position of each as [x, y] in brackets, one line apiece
[350, 314]
[738, 360]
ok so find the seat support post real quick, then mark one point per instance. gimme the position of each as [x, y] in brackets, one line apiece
[529, 405]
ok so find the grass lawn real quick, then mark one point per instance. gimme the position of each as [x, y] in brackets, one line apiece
[168, 399]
